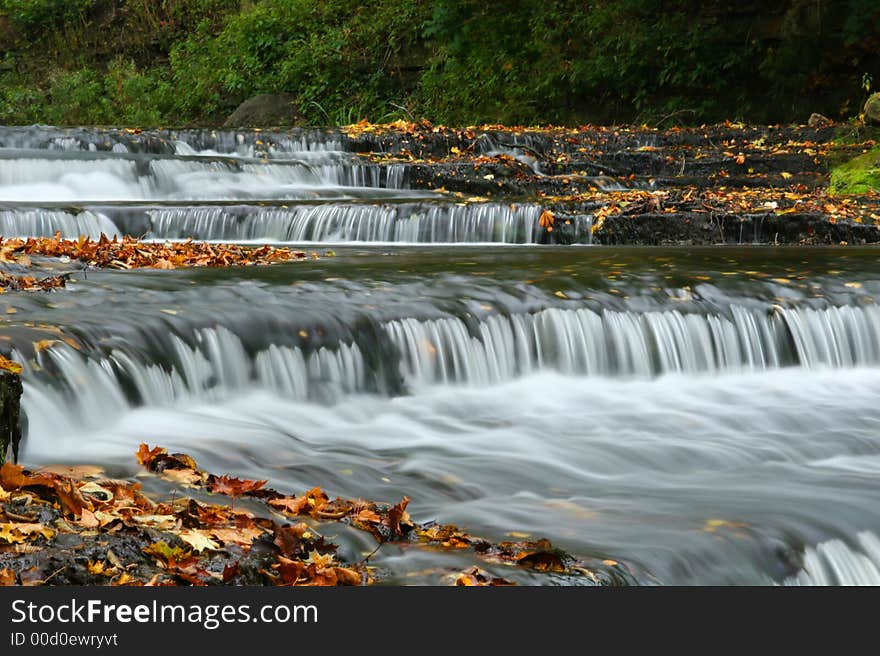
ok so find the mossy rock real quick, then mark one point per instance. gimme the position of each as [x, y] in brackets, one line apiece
[857, 176]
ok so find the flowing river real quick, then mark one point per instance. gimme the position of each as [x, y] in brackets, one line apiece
[701, 415]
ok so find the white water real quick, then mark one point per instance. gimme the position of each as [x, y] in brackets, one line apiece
[45, 223]
[643, 478]
[34, 178]
[717, 440]
[581, 342]
[837, 563]
[439, 223]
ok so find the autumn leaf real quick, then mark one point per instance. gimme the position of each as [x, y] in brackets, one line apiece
[146, 456]
[547, 219]
[17, 532]
[7, 577]
[233, 487]
[163, 550]
[398, 516]
[477, 577]
[289, 538]
[243, 535]
[289, 571]
[44, 344]
[198, 540]
[8, 365]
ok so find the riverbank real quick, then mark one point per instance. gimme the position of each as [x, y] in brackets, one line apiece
[74, 525]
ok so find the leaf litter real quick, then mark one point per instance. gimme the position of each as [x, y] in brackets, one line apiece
[75, 525]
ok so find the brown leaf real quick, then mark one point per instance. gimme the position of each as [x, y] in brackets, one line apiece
[289, 538]
[233, 487]
[477, 577]
[346, 576]
[289, 571]
[398, 517]
[7, 577]
[146, 456]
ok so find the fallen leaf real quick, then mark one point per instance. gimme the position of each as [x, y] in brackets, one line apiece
[198, 540]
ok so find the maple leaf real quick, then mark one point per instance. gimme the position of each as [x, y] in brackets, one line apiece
[233, 487]
[313, 500]
[397, 515]
[547, 219]
[146, 456]
[240, 535]
[99, 567]
[198, 540]
[320, 560]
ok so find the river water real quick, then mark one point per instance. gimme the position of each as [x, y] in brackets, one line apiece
[702, 415]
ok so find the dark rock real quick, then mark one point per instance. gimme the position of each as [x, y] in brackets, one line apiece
[872, 109]
[695, 229]
[10, 405]
[265, 110]
[818, 121]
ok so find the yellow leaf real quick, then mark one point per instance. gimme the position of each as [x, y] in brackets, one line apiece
[785, 175]
[198, 540]
[43, 344]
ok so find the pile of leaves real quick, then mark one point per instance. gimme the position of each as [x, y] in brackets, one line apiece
[131, 253]
[73, 525]
[30, 283]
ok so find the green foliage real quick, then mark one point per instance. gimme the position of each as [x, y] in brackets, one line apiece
[40, 15]
[325, 51]
[858, 176]
[451, 61]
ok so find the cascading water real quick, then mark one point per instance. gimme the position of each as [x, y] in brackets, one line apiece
[836, 563]
[702, 416]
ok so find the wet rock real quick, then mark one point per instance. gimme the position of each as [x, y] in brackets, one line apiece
[10, 409]
[872, 109]
[695, 229]
[265, 110]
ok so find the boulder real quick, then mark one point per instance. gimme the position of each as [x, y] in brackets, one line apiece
[872, 109]
[265, 110]
[818, 121]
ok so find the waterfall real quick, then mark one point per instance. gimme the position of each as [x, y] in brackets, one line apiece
[836, 563]
[614, 343]
[143, 177]
[450, 350]
[215, 365]
[412, 223]
[45, 223]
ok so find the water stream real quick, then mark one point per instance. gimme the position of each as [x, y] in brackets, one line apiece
[703, 416]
